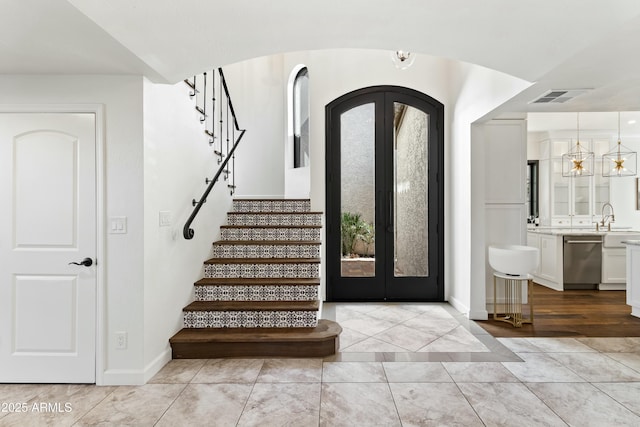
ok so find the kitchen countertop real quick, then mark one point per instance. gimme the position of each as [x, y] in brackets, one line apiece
[555, 231]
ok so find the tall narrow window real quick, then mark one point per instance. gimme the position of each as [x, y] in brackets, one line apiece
[301, 119]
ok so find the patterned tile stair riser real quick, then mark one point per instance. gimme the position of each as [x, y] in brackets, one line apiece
[262, 270]
[256, 293]
[266, 251]
[271, 233]
[283, 219]
[271, 205]
[250, 319]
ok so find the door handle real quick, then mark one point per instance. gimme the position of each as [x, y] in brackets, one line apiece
[87, 262]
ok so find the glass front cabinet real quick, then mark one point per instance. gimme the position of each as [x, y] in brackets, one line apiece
[575, 201]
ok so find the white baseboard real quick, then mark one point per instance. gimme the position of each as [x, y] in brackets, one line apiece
[478, 315]
[549, 284]
[123, 377]
[156, 364]
[464, 309]
[135, 376]
[458, 305]
[612, 287]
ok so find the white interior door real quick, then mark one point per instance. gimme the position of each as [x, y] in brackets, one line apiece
[47, 220]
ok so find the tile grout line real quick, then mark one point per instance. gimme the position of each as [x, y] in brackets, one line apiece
[171, 404]
[395, 405]
[545, 403]
[95, 406]
[614, 399]
[321, 392]
[469, 403]
[253, 386]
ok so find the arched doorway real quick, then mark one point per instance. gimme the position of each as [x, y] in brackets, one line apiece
[385, 196]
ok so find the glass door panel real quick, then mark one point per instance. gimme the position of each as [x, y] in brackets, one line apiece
[560, 189]
[357, 191]
[581, 195]
[410, 191]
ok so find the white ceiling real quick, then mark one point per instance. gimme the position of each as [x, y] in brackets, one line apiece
[557, 44]
[586, 123]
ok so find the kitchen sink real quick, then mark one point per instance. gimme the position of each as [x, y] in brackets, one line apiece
[614, 238]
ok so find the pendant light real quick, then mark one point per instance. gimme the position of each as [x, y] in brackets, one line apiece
[402, 59]
[578, 161]
[620, 161]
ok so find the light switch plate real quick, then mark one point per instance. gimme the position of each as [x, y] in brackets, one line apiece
[165, 219]
[118, 225]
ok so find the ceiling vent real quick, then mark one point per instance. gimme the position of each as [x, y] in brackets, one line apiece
[558, 96]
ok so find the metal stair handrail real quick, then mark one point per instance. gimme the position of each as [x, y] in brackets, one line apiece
[187, 231]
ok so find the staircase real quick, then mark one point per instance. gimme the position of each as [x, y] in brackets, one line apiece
[259, 296]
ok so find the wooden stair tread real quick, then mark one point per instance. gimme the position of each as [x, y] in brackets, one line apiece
[263, 261]
[267, 242]
[234, 281]
[270, 226]
[273, 213]
[326, 329]
[213, 343]
[283, 199]
[253, 306]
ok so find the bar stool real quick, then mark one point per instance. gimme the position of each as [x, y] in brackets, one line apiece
[512, 305]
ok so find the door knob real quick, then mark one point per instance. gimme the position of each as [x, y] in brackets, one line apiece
[87, 262]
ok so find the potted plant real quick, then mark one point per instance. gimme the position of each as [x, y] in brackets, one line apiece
[358, 236]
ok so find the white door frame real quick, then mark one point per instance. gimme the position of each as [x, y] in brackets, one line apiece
[98, 110]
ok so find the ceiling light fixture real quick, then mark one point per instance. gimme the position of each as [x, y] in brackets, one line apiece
[402, 59]
[620, 161]
[578, 161]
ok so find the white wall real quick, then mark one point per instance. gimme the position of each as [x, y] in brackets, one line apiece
[476, 91]
[258, 92]
[123, 187]
[177, 158]
[505, 143]
[333, 73]
[468, 93]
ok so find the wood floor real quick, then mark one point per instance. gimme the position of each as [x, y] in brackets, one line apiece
[572, 314]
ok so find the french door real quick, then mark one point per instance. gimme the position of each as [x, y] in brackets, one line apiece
[385, 196]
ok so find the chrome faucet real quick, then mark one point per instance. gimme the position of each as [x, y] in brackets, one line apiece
[611, 217]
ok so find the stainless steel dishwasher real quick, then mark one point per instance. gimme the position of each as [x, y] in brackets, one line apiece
[582, 259]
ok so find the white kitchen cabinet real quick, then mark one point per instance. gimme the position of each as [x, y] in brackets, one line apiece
[533, 240]
[614, 260]
[633, 277]
[549, 253]
[549, 272]
[574, 201]
[614, 265]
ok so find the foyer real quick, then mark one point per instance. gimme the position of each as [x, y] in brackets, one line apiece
[127, 60]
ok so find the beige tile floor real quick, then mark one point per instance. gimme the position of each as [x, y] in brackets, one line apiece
[399, 364]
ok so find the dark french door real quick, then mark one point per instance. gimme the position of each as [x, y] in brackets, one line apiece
[385, 201]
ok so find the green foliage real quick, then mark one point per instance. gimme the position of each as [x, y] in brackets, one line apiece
[354, 228]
